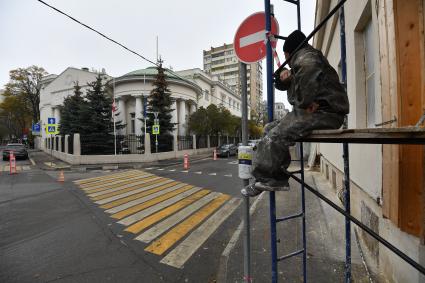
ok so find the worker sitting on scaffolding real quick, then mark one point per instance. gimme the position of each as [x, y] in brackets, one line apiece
[319, 102]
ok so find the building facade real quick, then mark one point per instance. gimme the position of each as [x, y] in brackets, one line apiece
[189, 89]
[386, 88]
[221, 61]
[279, 110]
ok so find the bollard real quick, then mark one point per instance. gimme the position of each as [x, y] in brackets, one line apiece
[186, 162]
[215, 154]
[12, 163]
[61, 177]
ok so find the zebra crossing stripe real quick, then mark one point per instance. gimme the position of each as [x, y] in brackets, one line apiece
[94, 193]
[117, 179]
[142, 189]
[133, 218]
[102, 184]
[154, 218]
[129, 189]
[167, 188]
[180, 254]
[171, 221]
[161, 205]
[166, 241]
[94, 179]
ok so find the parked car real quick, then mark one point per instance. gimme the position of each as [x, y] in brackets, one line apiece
[227, 150]
[18, 149]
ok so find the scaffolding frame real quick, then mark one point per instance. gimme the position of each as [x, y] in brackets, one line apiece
[411, 135]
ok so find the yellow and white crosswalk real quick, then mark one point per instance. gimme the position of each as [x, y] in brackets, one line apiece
[6, 168]
[174, 219]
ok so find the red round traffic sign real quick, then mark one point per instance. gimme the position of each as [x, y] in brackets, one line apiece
[250, 38]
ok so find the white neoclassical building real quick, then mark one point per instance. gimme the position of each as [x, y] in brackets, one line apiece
[189, 89]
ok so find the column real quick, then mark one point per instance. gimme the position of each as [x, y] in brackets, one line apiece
[77, 145]
[192, 108]
[122, 114]
[60, 144]
[139, 115]
[66, 144]
[182, 117]
[174, 115]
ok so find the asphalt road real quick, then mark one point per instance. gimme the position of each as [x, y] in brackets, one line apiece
[52, 231]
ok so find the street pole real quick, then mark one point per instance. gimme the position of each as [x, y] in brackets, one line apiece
[245, 182]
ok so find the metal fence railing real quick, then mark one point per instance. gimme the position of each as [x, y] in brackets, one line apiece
[165, 143]
[96, 144]
[185, 142]
[213, 141]
[201, 142]
[62, 144]
[71, 144]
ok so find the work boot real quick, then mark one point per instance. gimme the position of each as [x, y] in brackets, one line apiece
[273, 185]
[250, 191]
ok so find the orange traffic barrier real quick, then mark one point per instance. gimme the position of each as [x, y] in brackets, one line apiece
[61, 177]
[12, 163]
[186, 162]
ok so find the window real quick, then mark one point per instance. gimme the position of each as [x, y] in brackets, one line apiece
[369, 67]
[207, 95]
[133, 122]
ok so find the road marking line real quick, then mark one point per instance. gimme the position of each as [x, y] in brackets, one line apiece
[142, 189]
[18, 168]
[165, 189]
[115, 179]
[161, 245]
[228, 175]
[199, 172]
[160, 169]
[180, 254]
[154, 218]
[129, 189]
[26, 167]
[123, 186]
[165, 225]
[172, 170]
[160, 206]
[32, 161]
[185, 171]
[94, 179]
[150, 168]
[108, 186]
[212, 174]
[144, 193]
[133, 218]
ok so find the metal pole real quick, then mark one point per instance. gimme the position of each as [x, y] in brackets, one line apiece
[113, 116]
[303, 213]
[299, 14]
[347, 204]
[270, 104]
[245, 182]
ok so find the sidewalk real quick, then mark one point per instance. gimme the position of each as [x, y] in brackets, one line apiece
[325, 241]
[45, 161]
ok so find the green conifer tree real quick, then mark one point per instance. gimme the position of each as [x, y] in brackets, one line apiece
[71, 110]
[159, 101]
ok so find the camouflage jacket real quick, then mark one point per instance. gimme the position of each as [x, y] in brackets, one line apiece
[314, 80]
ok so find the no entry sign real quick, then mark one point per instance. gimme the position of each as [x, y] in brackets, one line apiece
[250, 38]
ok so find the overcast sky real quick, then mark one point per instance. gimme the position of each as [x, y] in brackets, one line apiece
[33, 34]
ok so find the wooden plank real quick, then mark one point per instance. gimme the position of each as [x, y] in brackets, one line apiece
[408, 22]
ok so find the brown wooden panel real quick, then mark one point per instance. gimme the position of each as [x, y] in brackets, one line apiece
[407, 24]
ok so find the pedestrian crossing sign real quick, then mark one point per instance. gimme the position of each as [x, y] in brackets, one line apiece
[52, 129]
[155, 129]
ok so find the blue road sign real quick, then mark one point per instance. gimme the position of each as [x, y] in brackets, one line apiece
[51, 129]
[51, 120]
[36, 128]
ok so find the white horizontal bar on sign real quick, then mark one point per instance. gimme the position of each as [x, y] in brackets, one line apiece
[252, 38]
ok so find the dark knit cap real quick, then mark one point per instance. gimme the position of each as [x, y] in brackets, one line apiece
[293, 40]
